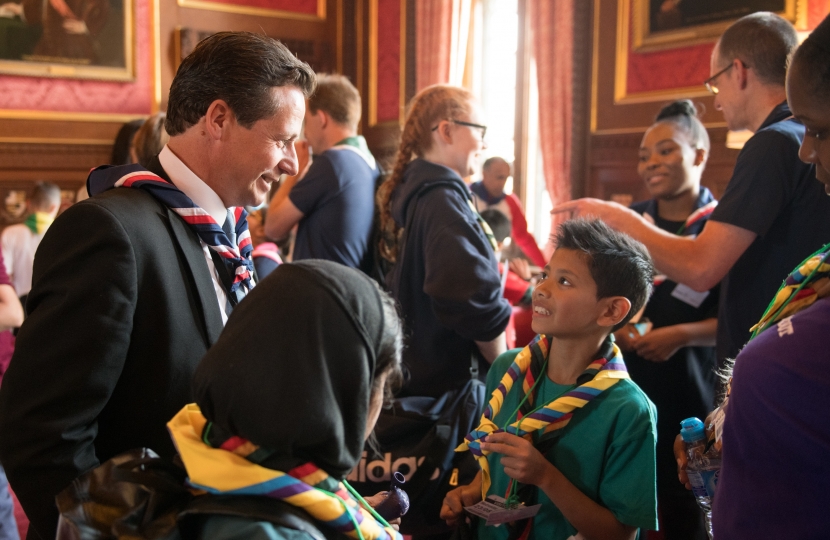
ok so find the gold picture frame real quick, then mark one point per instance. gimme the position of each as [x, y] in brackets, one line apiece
[320, 15]
[45, 58]
[631, 15]
[680, 32]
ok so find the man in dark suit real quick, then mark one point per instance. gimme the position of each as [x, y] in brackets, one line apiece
[132, 286]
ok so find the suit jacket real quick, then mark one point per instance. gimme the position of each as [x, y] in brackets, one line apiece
[121, 311]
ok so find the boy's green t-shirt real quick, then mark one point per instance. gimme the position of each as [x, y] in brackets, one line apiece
[606, 451]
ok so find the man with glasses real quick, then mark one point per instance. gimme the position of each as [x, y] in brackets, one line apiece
[333, 200]
[770, 216]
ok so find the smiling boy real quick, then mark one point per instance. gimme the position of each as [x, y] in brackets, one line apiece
[588, 456]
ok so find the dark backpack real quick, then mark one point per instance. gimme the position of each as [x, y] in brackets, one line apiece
[140, 496]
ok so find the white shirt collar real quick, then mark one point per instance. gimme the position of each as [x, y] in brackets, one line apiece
[193, 186]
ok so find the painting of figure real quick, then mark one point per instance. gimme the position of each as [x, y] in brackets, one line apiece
[75, 38]
[671, 23]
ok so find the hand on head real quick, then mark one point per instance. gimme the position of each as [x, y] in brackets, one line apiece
[613, 214]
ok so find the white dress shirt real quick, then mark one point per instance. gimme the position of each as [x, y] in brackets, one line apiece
[207, 199]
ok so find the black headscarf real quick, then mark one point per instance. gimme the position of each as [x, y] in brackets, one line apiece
[292, 371]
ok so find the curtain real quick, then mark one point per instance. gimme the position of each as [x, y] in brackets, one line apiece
[442, 35]
[552, 24]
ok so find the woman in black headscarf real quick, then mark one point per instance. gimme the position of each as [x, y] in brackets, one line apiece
[284, 402]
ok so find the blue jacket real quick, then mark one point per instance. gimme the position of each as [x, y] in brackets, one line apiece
[446, 279]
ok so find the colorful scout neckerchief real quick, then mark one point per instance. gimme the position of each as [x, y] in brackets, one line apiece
[38, 222]
[229, 470]
[530, 364]
[237, 259]
[808, 282]
[704, 206]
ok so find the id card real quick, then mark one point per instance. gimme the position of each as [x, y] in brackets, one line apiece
[688, 295]
[494, 510]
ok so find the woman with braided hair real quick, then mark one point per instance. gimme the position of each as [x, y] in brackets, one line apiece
[445, 275]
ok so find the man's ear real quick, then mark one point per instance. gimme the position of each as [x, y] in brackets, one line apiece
[218, 118]
[741, 72]
[613, 310]
[324, 118]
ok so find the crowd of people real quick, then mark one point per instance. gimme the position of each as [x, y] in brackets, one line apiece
[161, 313]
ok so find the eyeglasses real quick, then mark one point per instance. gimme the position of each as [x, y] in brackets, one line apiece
[710, 82]
[468, 124]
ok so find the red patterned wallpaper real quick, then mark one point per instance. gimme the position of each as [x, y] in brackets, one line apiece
[85, 96]
[389, 60]
[687, 66]
[296, 6]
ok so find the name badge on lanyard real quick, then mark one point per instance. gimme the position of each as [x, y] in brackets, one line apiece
[688, 295]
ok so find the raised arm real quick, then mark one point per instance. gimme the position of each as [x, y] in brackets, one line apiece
[701, 262]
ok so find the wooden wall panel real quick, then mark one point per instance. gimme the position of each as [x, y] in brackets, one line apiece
[617, 122]
[61, 147]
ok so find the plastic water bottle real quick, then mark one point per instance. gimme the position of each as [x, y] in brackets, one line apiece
[703, 466]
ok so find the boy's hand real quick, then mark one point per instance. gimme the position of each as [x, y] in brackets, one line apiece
[521, 460]
[454, 502]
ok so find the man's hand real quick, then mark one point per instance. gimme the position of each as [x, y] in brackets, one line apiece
[521, 460]
[660, 344]
[452, 508]
[303, 156]
[521, 268]
[613, 214]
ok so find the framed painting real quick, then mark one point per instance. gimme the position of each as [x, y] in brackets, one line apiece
[309, 10]
[660, 24]
[76, 39]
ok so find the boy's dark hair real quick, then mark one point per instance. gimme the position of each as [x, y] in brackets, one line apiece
[619, 265]
[240, 68]
[498, 222]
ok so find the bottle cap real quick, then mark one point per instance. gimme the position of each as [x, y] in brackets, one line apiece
[691, 429]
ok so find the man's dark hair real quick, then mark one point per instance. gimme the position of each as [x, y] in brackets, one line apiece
[764, 42]
[619, 265]
[336, 95]
[498, 222]
[240, 68]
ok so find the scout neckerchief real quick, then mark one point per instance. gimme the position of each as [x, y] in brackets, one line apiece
[237, 260]
[545, 420]
[357, 144]
[38, 222]
[808, 282]
[231, 470]
[693, 226]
